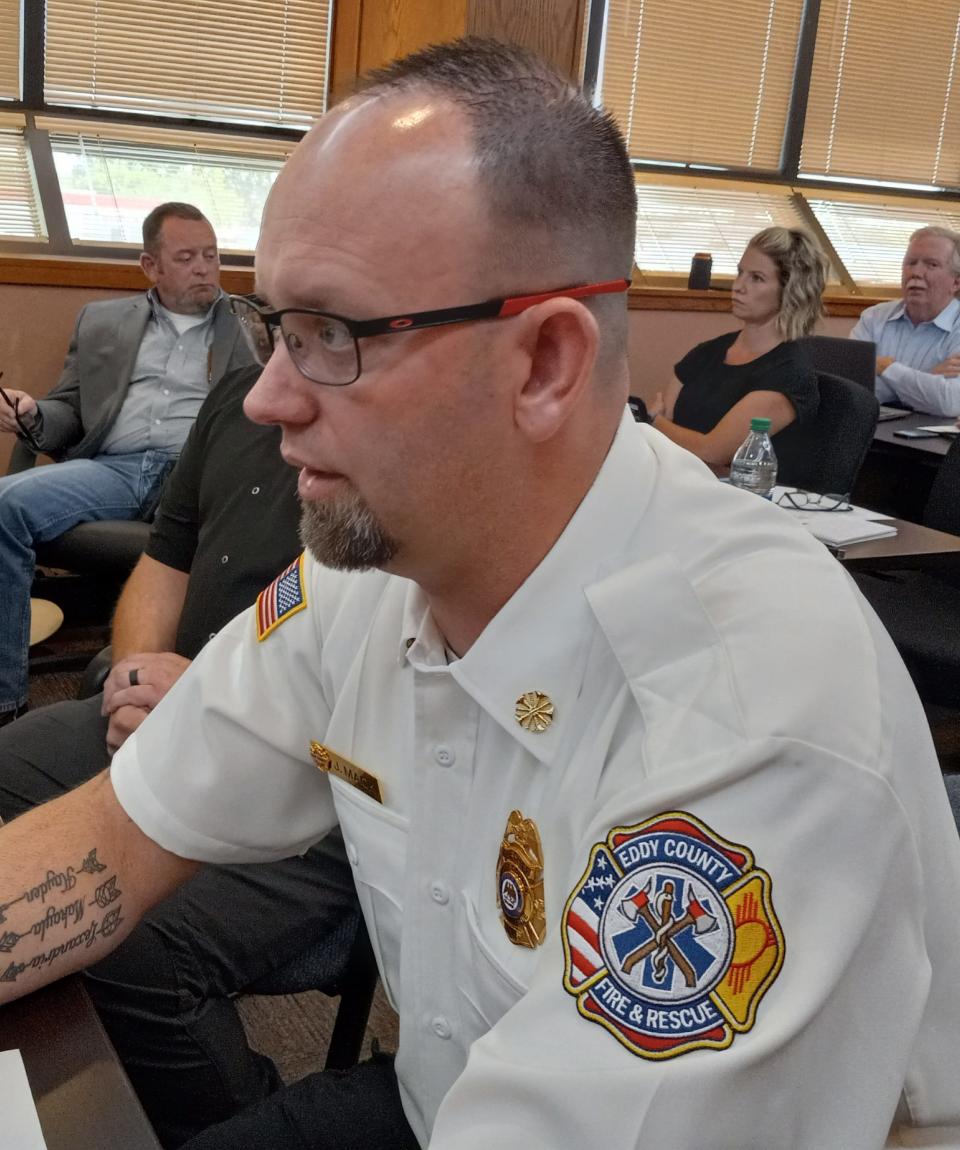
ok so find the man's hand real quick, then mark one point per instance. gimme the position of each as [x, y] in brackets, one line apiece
[950, 366]
[26, 408]
[883, 362]
[134, 687]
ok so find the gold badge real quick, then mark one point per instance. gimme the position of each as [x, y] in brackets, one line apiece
[534, 711]
[335, 764]
[520, 882]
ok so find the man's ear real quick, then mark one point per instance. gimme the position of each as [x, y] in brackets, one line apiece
[148, 266]
[564, 339]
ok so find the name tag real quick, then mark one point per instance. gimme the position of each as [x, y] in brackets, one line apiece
[335, 764]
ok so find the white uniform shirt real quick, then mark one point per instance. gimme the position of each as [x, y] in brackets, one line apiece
[706, 659]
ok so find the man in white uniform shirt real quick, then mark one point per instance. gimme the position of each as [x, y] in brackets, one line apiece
[918, 336]
[642, 810]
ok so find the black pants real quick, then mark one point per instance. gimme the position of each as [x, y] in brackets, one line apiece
[165, 995]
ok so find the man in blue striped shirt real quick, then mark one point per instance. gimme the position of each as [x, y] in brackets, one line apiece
[918, 336]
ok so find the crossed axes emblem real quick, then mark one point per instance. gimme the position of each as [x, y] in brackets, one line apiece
[664, 926]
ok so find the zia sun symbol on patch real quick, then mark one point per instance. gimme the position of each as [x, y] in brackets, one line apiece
[670, 938]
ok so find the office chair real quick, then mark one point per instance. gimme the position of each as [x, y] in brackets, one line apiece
[921, 610]
[854, 359]
[340, 963]
[107, 547]
[829, 452]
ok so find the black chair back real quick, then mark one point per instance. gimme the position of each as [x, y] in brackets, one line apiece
[827, 455]
[942, 509]
[854, 359]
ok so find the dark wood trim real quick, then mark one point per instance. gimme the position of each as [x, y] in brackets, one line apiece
[683, 299]
[41, 271]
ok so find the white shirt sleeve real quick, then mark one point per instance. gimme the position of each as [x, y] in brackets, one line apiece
[221, 770]
[921, 390]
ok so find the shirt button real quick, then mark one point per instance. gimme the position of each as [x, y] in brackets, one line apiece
[439, 893]
[445, 755]
[212, 635]
[166, 391]
[156, 421]
[441, 1027]
[352, 854]
[254, 490]
[224, 558]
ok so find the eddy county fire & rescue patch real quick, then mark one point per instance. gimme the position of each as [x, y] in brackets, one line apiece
[670, 939]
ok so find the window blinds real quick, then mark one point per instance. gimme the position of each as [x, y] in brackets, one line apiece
[675, 220]
[870, 237]
[9, 49]
[20, 215]
[885, 92]
[707, 83]
[258, 64]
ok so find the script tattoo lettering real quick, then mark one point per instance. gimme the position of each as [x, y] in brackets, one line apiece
[60, 880]
[84, 939]
[65, 916]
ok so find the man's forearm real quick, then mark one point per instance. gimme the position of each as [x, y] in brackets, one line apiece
[75, 876]
[148, 612]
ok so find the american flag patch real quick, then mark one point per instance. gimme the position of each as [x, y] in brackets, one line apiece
[284, 597]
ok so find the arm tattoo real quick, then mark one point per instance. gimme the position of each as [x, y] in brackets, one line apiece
[62, 915]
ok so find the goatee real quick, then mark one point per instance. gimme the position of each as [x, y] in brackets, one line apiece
[345, 535]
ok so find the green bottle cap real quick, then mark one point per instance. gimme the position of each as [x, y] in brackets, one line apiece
[759, 424]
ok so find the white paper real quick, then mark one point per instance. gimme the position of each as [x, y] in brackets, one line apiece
[942, 428]
[20, 1126]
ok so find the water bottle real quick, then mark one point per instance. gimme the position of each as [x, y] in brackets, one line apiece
[754, 467]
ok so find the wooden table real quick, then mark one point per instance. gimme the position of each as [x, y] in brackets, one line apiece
[83, 1096]
[913, 546]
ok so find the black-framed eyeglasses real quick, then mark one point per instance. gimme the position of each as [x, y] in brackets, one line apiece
[814, 501]
[24, 430]
[325, 348]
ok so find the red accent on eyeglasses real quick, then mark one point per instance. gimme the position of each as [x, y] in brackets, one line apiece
[396, 324]
[521, 302]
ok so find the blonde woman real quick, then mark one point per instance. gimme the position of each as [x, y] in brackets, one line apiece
[722, 384]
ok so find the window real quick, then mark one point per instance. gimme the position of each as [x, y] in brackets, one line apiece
[833, 115]
[20, 214]
[880, 114]
[703, 84]
[122, 108]
[871, 236]
[109, 183]
[677, 219]
[258, 64]
[9, 50]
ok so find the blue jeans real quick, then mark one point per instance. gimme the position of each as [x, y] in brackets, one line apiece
[40, 504]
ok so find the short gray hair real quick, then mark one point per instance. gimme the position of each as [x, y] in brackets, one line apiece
[944, 234]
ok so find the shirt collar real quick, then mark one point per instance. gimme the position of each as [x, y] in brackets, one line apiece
[539, 640]
[157, 309]
[945, 320]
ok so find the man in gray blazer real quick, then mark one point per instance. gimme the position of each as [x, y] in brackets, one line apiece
[135, 375]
